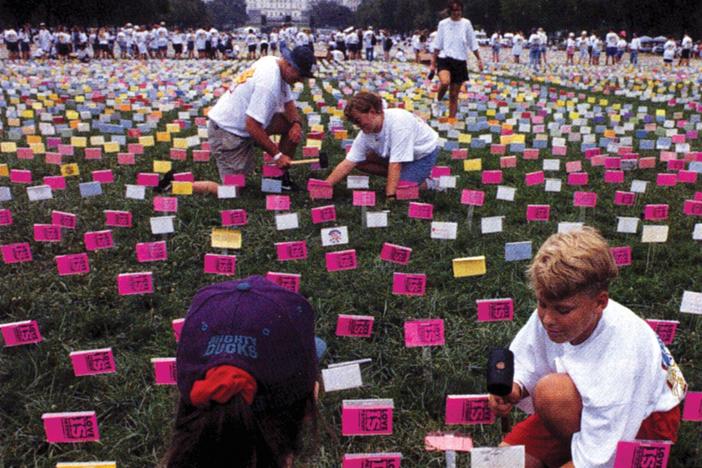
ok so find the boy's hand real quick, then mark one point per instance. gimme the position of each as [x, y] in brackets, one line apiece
[501, 406]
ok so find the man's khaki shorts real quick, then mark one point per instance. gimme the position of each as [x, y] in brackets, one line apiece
[232, 153]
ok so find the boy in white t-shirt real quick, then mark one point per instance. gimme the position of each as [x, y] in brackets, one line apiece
[393, 143]
[589, 370]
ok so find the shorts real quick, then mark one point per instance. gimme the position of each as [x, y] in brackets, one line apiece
[457, 68]
[12, 46]
[418, 171]
[252, 49]
[232, 153]
[667, 60]
[178, 48]
[24, 46]
[539, 443]
[191, 45]
[611, 51]
[274, 46]
[264, 48]
[685, 54]
[353, 47]
[63, 49]
[163, 48]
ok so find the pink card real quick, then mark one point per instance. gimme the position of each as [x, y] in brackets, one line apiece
[66, 150]
[363, 198]
[93, 362]
[178, 154]
[531, 153]
[104, 176]
[233, 217]
[271, 171]
[612, 162]
[166, 204]
[47, 233]
[666, 180]
[624, 198]
[573, 166]
[534, 178]
[507, 162]
[184, 177]
[20, 176]
[472, 197]
[497, 149]
[20, 333]
[135, 283]
[407, 190]
[614, 177]
[310, 151]
[366, 417]
[665, 329]
[538, 212]
[443, 442]
[622, 255]
[409, 284]
[494, 310]
[590, 152]
[559, 150]
[93, 153]
[426, 332]
[438, 171]
[114, 218]
[666, 156]
[597, 161]
[323, 214]
[177, 325]
[459, 153]
[289, 281]
[5, 217]
[237, 180]
[55, 182]
[295, 250]
[371, 460]
[151, 251]
[16, 253]
[277, 202]
[341, 260]
[578, 178]
[165, 371]
[642, 453]
[360, 326]
[692, 411]
[72, 264]
[468, 409]
[96, 240]
[65, 220]
[420, 210]
[585, 199]
[25, 153]
[675, 165]
[692, 207]
[79, 426]
[395, 253]
[217, 264]
[698, 196]
[319, 189]
[135, 148]
[657, 212]
[687, 177]
[493, 177]
[202, 155]
[126, 159]
[148, 179]
[647, 163]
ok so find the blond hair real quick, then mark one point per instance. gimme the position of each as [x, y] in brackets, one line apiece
[570, 263]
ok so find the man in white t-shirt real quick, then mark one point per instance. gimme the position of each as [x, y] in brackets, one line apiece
[611, 40]
[685, 51]
[393, 143]
[11, 43]
[455, 37]
[634, 47]
[258, 104]
[588, 370]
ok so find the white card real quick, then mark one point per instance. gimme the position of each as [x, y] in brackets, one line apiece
[691, 303]
[447, 181]
[654, 233]
[342, 378]
[566, 227]
[5, 194]
[639, 186]
[226, 191]
[505, 193]
[697, 232]
[497, 457]
[39, 192]
[552, 165]
[376, 219]
[337, 235]
[135, 192]
[443, 230]
[286, 221]
[161, 224]
[553, 185]
[627, 225]
[357, 182]
[491, 224]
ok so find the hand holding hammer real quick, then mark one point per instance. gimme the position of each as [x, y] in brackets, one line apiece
[504, 393]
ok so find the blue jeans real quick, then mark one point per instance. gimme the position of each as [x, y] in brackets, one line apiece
[419, 170]
[634, 57]
[369, 54]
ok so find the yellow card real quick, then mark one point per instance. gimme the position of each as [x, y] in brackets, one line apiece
[609, 133]
[70, 170]
[8, 147]
[27, 114]
[469, 266]
[172, 128]
[660, 112]
[180, 143]
[146, 140]
[182, 188]
[490, 112]
[97, 140]
[33, 139]
[100, 464]
[604, 102]
[317, 128]
[506, 139]
[111, 147]
[341, 134]
[162, 166]
[163, 137]
[591, 100]
[37, 148]
[72, 115]
[79, 142]
[470, 165]
[37, 106]
[465, 138]
[4, 170]
[223, 238]
[314, 143]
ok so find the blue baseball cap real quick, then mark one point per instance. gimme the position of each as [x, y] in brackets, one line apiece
[302, 58]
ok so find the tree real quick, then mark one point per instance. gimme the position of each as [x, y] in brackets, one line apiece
[227, 13]
[330, 14]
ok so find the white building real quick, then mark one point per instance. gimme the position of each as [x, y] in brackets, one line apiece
[350, 4]
[278, 10]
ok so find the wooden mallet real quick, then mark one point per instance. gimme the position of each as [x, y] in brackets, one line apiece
[323, 161]
[500, 376]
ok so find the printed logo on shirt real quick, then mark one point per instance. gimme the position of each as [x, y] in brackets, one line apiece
[675, 379]
[243, 77]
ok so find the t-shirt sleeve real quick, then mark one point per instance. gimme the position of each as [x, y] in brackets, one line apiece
[439, 39]
[262, 104]
[357, 153]
[530, 362]
[471, 40]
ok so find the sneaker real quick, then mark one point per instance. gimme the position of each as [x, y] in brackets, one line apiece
[165, 184]
[287, 183]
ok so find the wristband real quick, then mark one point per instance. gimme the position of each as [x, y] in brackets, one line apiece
[277, 156]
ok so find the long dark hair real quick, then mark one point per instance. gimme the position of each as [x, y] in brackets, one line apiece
[232, 435]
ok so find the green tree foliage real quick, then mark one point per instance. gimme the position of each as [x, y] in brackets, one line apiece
[331, 14]
[227, 13]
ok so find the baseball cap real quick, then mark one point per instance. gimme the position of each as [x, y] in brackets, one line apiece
[257, 326]
[302, 58]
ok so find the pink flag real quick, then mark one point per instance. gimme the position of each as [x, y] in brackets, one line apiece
[96, 240]
[493, 177]
[65, 220]
[216, 264]
[151, 251]
[665, 329]
[494, 310]
[468, 409]
[295, 250]
[622, 255]
[20, 333]
[79, 426]
[165, 371]
[233, 217]
[692, 411]
[366, 419]
[354, 325]
[135, 283]
[585, 199]
[395, 253]
[420, 210]
[289, 281]
[323, 214]
[115, 218]
[641, 453]
[427, 332]
[409, 284]
[73, 264]
[363, 198]
[19, 252]
[472, 197]
[93, 362]
[538, 212]
[341, 260]
[47, 233]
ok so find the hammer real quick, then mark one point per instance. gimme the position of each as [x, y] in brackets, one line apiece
[500, 375]
[323, 161]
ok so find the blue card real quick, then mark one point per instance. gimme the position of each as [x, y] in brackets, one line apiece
[515, 251]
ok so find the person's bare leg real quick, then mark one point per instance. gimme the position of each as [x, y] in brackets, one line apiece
[455, 89]
[445, 80]
[205, 186]
[374, 165]
[559, 405]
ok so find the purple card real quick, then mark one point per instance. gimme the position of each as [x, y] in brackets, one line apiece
[289, 281]
[93, 362]
[494, 310]
[323, 214]
[165, 371]
[20, 333]
[409, 284]
[233, 217]
[395, 253]
[96, 240]
[72, 427]
[151, 251]
[135, 283]
[73, 264]
[295, 250]
[360, 326]
[19, 252]
[426, 332]
[217, 264]
[341, 260]
[468, 409]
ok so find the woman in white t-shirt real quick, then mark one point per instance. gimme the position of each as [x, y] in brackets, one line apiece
[393, 143]
[669, 52]
[517, 46]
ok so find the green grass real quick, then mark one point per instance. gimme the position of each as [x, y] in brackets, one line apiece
[135, 416]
